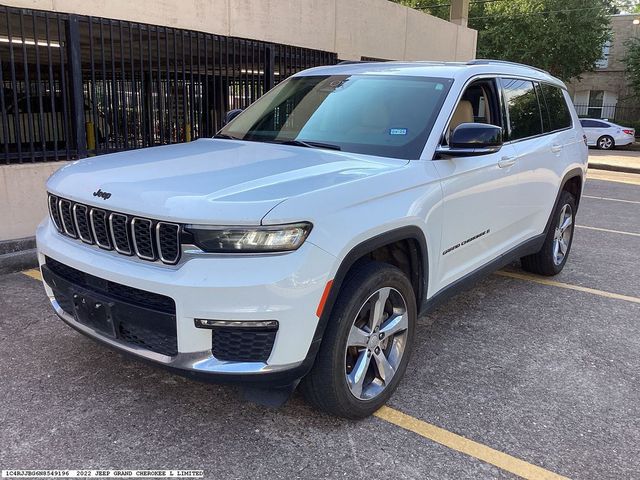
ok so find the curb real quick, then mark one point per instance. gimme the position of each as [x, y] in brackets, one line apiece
[18, 261]
[614, 168]
[17, 255]
[17, 245]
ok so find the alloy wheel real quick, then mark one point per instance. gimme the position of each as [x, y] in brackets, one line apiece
[605, 143]
[563, 233]
[376, 343]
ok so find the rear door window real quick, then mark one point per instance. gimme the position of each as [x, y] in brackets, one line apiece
[523, 110]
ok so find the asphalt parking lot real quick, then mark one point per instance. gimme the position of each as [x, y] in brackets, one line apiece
[514, 377]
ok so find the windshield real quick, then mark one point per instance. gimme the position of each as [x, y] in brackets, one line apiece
[389, 116]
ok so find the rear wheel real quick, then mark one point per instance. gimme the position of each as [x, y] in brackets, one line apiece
[551, 258]
[606, 143]
[367, 343]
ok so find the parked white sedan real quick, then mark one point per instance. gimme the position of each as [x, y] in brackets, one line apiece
[606, 135]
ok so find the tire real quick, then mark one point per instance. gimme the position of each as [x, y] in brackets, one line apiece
[547, 261]
[327, 386]
[606, 143]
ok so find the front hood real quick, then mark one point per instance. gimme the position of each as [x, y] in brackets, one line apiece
[210, 181]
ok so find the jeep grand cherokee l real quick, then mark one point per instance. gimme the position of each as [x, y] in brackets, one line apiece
[301, 243]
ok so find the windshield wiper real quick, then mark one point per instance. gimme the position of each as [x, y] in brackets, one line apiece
[225, 136]
[309, 144]
[297, 143]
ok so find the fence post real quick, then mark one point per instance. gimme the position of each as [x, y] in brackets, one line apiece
[74, 66]
[269, 72]
[148, 108]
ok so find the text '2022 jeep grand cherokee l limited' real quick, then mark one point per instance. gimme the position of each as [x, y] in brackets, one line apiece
[301, 243]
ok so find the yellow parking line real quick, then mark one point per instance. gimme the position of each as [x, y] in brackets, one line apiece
[609, 231]
[466, 446]
[619, 177]
[553, 283]
[609, 199]
[33, 273]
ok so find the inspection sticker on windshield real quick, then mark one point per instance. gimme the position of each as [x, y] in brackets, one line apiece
[397, 131]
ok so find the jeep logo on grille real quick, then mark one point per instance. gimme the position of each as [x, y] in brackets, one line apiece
[101, 194]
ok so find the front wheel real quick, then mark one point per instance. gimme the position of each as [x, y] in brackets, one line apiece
[551, 258]
[367, 343]
[606, 143]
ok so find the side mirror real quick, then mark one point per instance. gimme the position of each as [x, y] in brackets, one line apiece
[472, 139]
[231, 115]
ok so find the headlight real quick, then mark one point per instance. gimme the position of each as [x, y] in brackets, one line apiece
[277, 238]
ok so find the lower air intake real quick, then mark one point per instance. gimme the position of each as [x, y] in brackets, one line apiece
[235, 344]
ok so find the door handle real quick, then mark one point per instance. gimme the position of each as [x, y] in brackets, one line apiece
[506, 162]
[556, 148]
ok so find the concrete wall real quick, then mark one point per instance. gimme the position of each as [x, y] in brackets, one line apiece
[23, 198]
[351, 28]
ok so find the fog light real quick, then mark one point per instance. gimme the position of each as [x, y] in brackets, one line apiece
[262, 324]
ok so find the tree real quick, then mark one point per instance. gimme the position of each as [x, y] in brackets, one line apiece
[437, 8]
[624, 6]
[564, 37]
[632, 63]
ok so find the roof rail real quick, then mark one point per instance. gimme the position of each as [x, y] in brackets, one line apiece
[483, 61]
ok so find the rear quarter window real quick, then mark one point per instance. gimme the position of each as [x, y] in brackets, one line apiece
[559, 113]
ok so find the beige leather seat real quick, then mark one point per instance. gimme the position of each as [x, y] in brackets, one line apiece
[463, 114]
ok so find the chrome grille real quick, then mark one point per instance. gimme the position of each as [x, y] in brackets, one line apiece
[99, 228]
[67, 218]
[119, 226]
[81, 216]
[126, 234]
[54, 211]
[168, 238]
[143, 238]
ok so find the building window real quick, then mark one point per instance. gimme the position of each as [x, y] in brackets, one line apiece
[596, 99]
[604, 61]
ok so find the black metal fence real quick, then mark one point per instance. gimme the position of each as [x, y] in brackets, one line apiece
[614, 113]
[74, 86]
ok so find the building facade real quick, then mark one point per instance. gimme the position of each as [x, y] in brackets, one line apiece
[87, 77]
[605, 93]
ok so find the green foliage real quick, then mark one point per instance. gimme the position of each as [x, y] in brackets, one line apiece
[564, 37]
[632, 62]
[437, 8]
[624, 6]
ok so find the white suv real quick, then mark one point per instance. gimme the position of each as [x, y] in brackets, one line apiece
[303, 241]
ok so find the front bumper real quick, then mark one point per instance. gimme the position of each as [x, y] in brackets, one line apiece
[284, 287]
